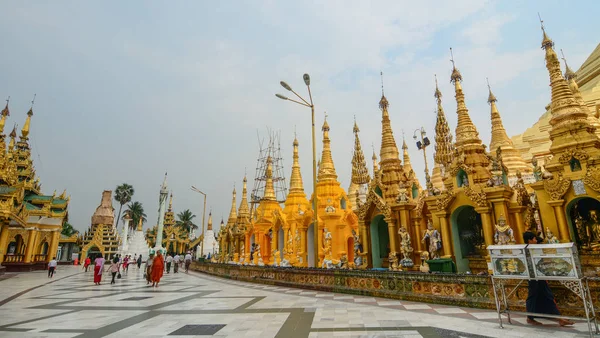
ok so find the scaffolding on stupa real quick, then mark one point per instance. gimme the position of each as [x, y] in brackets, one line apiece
[270, 147]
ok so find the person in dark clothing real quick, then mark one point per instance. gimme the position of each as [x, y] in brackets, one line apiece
[539, 296]
[139, 262]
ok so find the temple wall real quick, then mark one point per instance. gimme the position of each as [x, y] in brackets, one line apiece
[452, 289]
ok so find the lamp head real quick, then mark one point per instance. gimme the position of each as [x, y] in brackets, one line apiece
[285, 85]
[281, 96]
[306, 78]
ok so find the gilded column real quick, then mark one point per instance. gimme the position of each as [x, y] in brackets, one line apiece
[3, 241]
[561, 220]
[364, 240]
[488, 227]
[446, 234]
[416, 235]
[393, 234]
[53, 248]
[304, 246]
[520, 225]
[30, 245]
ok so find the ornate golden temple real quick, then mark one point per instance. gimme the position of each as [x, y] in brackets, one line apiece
[175, 239]
[31, 222]
[476, 195]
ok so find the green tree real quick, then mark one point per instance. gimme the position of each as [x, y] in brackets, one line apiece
[185, 220]
[123, 195]
[135, 211]
[68, 230]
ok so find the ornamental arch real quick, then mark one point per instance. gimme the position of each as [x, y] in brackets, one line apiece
[467, 236]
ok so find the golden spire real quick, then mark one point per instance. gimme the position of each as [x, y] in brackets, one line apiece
[25, 130]
[13, 135]
[565, 109]
[405, 157]
[171, 202]
[499, 136]
[296, 185]
[140, 224]
[326, 168]
[244, 211]
[444, 148]
[209, 227]
[360, 173]
[232, 212]
[5, 113]
[570, 76]
[389, 149]
[466, 132]
[269, 189]
[375, 166]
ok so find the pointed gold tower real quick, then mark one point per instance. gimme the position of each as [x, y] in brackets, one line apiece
[232, 213]
[511, 157]
[244, 210]
[326, 167]
[571, 127]
[360, 174]
[468, 145]
[269, 189]
[296, 184]
[444, 145]
[391, 166]
[209, 227]
[406, 158]
[571, 78]
[170, 215]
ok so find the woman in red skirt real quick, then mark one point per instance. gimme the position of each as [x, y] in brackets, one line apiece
[99, 266]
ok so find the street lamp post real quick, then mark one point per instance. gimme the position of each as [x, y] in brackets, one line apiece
[422, 144]
[305, 103]
[203, 213]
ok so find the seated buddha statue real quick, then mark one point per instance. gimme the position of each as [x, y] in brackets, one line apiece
[593, 230]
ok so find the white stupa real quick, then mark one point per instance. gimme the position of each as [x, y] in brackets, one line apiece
[210, 243]
[137, 244]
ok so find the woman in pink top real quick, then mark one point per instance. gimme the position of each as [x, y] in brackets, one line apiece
[98, 266]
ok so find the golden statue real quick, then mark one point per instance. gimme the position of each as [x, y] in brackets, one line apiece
[550, 238]
[327, 243]
[393, 259]
[344, 262]
[424, 258]
[298, 248]
[406, 247]
[593, 230]
[435, 240]
[504, 234]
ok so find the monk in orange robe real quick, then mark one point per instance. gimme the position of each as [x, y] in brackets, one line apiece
[158, 265]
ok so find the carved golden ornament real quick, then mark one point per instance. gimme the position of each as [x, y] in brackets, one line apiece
[592, 178]
[444, 199]
[374, 199]
[578, 154]
[14, 232]
[479, 198]
[420, 204]
[456, 168]
[556, 186]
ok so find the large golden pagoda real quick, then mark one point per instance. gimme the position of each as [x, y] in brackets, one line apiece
[30, 223]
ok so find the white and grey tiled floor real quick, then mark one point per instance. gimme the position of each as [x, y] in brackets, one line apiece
[187, 305]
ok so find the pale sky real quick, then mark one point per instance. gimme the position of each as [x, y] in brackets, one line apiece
[129, 90]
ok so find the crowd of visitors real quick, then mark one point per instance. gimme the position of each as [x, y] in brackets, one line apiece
[155, 266]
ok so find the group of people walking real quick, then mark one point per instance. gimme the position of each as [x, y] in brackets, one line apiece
[156, 264]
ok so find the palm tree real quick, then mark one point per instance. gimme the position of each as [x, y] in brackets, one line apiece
[123, 195]
[185, 220]
[68, 230]
[135, 211]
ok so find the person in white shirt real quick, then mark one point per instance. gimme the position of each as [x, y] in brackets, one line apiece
[51, 267]
[176, 263]
[169, 260]
[188, 261]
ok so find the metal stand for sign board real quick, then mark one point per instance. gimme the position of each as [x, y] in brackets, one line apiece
[502, 292]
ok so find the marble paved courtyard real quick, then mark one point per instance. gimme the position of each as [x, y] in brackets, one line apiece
[188, 305]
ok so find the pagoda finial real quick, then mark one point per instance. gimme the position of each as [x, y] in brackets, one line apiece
[171, 201]
[244, 210]
[296, 185]
[491, 97]
[546, 41]
[499, 136]
[233, 212]
[360, 173]
[466, 132]
[444, 147]
[326, 167]
[565, 106]
[210, 221]
[383, 103]
[456, 76]
[5, 113]
[569, 73]
[269, 189]
[374, 158]
[25, 130]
